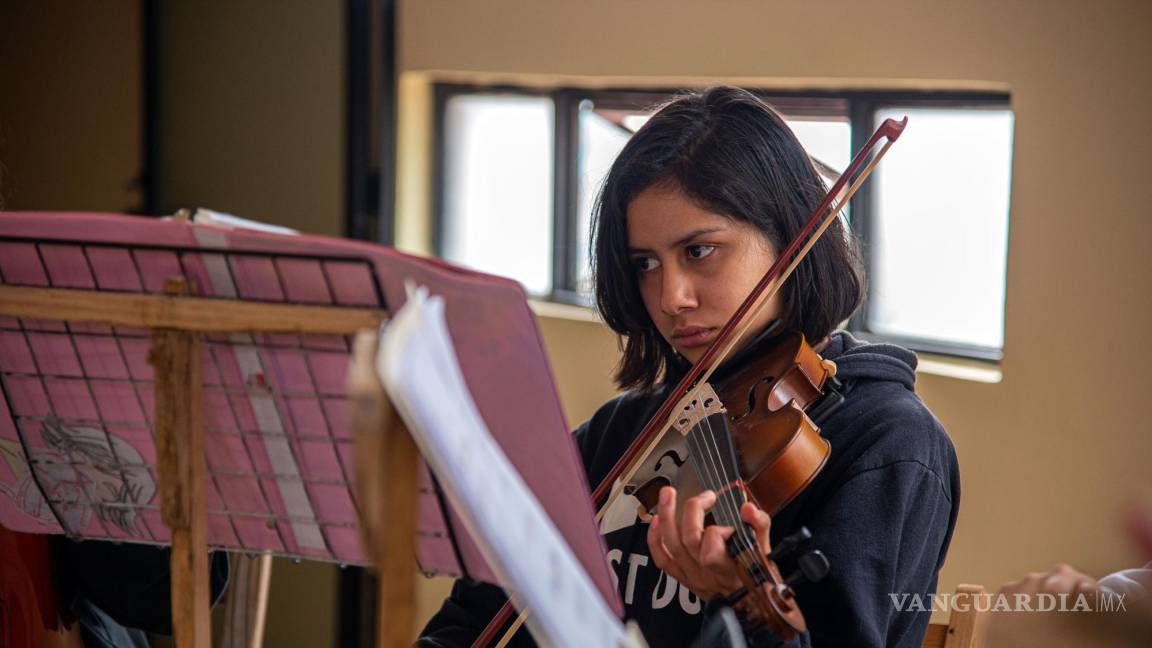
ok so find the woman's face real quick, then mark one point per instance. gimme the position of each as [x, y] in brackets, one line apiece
[695, 267]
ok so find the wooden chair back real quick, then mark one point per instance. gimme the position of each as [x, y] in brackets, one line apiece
[965, 627]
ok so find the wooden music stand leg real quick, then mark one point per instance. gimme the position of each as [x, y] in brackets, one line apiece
[175, 357]
[387, 487]
[397, 596]
[247, 601]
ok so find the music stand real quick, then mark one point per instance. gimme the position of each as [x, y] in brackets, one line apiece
[88, 428]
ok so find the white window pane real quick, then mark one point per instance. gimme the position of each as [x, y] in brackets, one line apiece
[498, 186]
[827, 140]
[940, 235]
[601, 141]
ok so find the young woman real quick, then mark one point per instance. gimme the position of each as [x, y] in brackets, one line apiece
[693, 212]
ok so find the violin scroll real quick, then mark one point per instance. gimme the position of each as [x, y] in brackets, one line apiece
[768, 599]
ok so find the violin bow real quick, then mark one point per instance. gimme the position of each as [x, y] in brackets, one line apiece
[642, 446]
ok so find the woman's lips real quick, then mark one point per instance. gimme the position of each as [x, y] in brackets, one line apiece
[692, 337]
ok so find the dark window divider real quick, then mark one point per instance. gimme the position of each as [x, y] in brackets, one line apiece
[370, 96]
[861, 117]
[149, 179]
[370, 120]
[566, 189]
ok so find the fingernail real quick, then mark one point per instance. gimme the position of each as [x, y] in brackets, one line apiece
[665, 494]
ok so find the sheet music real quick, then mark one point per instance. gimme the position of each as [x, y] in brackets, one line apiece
[418, 367]
[211, 217]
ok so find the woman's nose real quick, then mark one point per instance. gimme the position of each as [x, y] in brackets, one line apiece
[677, 292]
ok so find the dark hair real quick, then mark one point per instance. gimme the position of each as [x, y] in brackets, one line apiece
[734, 155]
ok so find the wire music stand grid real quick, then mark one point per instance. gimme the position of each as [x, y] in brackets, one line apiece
[77, 429]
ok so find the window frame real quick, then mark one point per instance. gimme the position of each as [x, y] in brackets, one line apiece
[859, 107]
[865, 107]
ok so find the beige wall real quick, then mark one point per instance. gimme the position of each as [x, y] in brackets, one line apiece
[1050, 456]
[70, 105]
[252, 107]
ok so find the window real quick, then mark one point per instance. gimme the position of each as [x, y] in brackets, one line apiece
[939, 235]
[498, 186]
[518, 173]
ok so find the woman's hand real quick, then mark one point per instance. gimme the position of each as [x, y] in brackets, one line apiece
[1061, 579]
[694, 555]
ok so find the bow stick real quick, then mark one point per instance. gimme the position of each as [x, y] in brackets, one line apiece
[629, 463]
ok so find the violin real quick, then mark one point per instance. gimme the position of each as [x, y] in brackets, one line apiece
[749, 438]
[774, 391]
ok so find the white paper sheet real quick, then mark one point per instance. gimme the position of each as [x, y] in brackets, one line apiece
[418, 367]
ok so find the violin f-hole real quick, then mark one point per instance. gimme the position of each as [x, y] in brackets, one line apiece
[674, 456]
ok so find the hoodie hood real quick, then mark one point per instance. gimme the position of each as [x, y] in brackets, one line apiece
[856, 359]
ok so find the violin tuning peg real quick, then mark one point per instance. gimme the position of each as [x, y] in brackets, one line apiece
[789, 545]
[811, 568]
[829, 366]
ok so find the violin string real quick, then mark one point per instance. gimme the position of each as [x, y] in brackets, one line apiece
[717, 466]
[705, 465]
[738, 525]
[744, 535]
[723, 498]
[732, 510]
[710, 460]
[724, 479]
[712, 468]
[709, 473]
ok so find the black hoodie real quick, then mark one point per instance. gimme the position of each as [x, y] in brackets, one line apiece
[882, 510]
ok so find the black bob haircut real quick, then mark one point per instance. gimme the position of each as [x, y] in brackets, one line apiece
[734, 155]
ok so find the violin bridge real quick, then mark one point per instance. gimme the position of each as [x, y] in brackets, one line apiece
[697, 405]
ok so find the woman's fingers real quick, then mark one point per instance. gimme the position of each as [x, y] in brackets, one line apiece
[696, 555]
[715, 559]
[660, 554]
[713, 553]
[1064, 579]
[1061, 579]
[761, 522]
[669, 532]
[692, 525]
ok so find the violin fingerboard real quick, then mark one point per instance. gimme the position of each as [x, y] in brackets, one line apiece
[714, 459]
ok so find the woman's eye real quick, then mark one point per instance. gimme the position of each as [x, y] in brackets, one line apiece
[700, 251]
[644, 264]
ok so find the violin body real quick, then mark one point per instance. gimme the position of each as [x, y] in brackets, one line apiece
[751, 439]
[778, 447]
